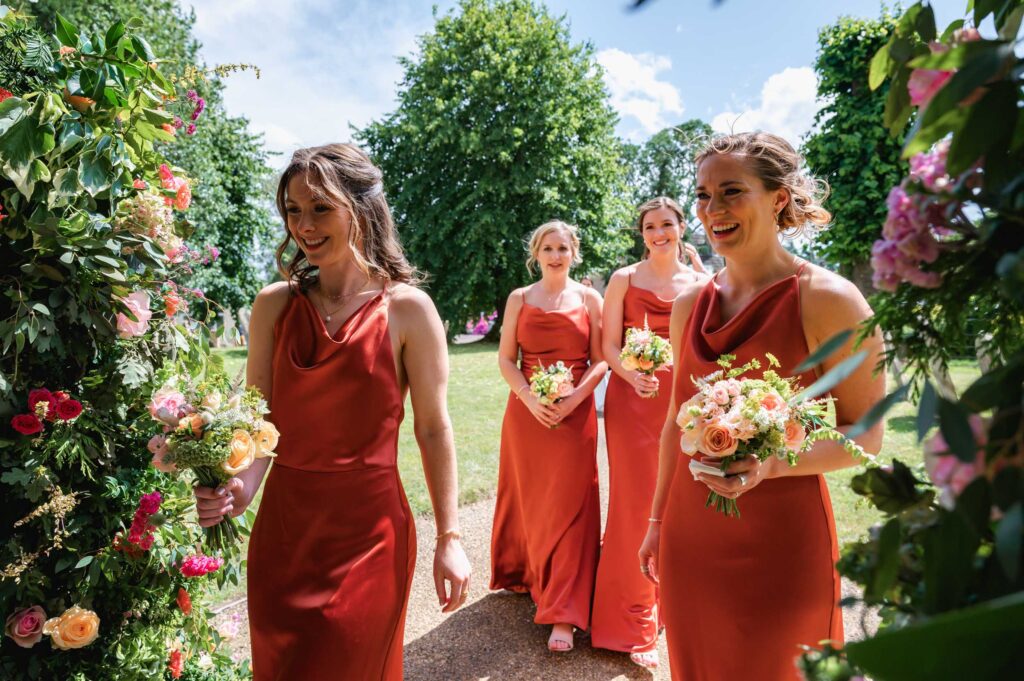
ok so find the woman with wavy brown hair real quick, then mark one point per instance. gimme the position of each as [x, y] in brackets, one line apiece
[741, 596]
[336, 348]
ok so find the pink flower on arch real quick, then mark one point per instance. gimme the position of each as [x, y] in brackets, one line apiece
[138, 303]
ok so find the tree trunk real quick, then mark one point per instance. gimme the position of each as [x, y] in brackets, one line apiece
[860, 274]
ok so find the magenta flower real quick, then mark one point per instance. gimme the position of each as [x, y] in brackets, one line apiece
[199, 565]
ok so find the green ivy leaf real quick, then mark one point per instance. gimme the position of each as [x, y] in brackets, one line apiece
[65, 188]
[94, 173]
[25, 140]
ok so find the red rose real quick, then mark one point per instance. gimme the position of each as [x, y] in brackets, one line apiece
[61, 395]
[42, 395]
[176, 664]
[5, 94]
[68, 409]
[27, 424]
[184, 602]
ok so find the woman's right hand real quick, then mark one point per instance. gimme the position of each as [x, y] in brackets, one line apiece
[213, 505]
[545, 413]
[649, 553]
[645, 385]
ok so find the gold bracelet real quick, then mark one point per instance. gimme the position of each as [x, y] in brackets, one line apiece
[455, 534]
[654, 520]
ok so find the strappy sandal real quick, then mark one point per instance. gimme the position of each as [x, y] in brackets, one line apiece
[648, 659]
[553, 639]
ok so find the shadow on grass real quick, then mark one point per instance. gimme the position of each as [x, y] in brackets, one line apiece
[903, 424]
[473, 348]
[495, 639]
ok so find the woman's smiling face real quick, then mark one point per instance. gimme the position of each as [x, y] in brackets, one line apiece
[321, 229]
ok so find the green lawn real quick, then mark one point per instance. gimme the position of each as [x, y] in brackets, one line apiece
[476, 401]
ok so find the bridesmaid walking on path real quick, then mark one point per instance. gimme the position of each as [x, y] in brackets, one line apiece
[625, 604]
[547, 517]
[739, 596]
[337, 347]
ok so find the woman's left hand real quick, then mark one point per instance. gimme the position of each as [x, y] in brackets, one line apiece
[741, 476]
[452, 566]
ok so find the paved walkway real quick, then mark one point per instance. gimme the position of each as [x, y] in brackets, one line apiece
[493, 637]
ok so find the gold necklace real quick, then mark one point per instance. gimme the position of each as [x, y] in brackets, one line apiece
[345, 297]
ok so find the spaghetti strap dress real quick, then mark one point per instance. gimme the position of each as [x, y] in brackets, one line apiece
[625, 614]
[333, 548]
[547, 521]
[740, 596]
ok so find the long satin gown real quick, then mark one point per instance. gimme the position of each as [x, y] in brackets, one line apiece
[547, 520]
[625, 614]
[739, 596]
[333, 548]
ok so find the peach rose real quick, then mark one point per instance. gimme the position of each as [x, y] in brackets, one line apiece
[717, 440]
[191, 423]
[795, 434]
[25, 626]
[76, 628]
[629, 363]
[773, 402]
[243, 453]
[212, 400]
[564, 389]
[266, 439]
[645, 364]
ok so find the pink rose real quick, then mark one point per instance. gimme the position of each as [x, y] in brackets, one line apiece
[138, 303]
[168, 406]
[733, 386]
[158, 448]
[720, 393]
[182, 195]
[564, 389]
[25, 626]
[949, 473]
[773, 402]
[795, 435]
[718, 441]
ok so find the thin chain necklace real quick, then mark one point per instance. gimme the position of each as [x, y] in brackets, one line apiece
[344, 298]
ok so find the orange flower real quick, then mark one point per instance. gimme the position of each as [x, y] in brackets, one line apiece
[76, 628]
[717, 441]
[266, 439]
[184, 602]
[192, 424]
[242, 452]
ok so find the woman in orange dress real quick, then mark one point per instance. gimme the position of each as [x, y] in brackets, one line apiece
[740, 596]
[625, 614]
[547, 519]
[336, 348]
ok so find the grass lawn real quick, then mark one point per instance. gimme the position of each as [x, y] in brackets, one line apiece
[476, 401]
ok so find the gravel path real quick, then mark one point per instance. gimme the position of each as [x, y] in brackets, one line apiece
[493, 637]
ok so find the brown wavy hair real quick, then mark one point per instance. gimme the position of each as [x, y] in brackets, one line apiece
[779, 166]
[655, 204]
[343, 176]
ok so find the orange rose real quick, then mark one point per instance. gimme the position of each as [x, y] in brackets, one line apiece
[242, 452]
[645, 364]
[718, 441]
[795, 434]
[192, 424]
[76, 628]
[266, 439]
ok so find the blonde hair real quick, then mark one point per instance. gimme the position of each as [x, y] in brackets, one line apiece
[343, 176]
[655, 204]
[778, 165]
[533, 244]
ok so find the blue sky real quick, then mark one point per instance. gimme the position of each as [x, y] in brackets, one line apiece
[329, 64]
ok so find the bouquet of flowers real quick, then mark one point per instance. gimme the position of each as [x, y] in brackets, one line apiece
[645, 351]
[731, 418]
[551, 383]
[211, 432]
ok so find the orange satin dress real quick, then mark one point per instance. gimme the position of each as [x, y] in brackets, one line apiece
[547, 521]
[739, 596]
[625, 604]
[333, 548]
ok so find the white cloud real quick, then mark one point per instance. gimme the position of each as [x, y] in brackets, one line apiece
[637, 93]
[787, 107]
[323, 69]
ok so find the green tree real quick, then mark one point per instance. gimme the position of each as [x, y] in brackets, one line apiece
[852, 149]
[502, 124]
[228, 159]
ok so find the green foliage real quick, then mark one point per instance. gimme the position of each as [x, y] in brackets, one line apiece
[71, 253]
[945, 567]
[502, 124]
[229, 160]
[850, 148]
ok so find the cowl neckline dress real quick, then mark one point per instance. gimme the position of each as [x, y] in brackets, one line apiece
[740, 596]
[333, 548]
[547, 518]
[625, 614]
